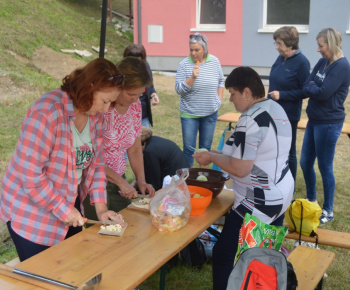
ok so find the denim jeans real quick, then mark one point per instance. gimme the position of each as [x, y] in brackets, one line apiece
[224, 251]
[319, 142]
[145, 122]
[190, 127]
[293, 164]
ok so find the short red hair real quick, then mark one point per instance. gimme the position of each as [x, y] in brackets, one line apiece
[81, 84]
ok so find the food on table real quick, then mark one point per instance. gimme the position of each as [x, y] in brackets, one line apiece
[171, 213]
[145, 200]
[169, 223]
[202, 178]
[201, 150]
[197, 195]
[112, 228]
[116, 229]
[142, 202]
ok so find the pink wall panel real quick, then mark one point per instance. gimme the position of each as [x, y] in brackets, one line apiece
[178, 17]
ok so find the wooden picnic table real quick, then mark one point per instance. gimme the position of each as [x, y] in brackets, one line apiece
[233, 118]
[125, 262]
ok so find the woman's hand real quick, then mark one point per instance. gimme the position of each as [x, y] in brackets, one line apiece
[146, 187]
[127, 190]
[195, 72]
[103, 214]
[74, 218]
[203, 158]
[155, 99]
[275, 95]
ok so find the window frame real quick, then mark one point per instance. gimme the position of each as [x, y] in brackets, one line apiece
[271, 28]
[206, 27]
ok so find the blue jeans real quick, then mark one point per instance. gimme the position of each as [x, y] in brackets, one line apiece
[190, 127]
[145, 122]
[319, 142]
[293, 164]
[224, 251]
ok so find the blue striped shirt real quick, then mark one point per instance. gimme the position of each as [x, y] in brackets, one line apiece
[202, 98]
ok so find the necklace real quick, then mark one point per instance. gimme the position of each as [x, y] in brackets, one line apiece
[327, 65]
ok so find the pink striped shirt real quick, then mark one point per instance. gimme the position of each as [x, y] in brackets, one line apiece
[40, 185]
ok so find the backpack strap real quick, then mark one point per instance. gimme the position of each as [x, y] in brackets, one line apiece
[214, 232]
[301, 222]
[314, 234]
[291, 215]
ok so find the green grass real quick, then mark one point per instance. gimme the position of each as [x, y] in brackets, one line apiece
[27, 25]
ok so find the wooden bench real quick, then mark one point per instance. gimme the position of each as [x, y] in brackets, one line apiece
[233, 118]
[310, 265]
[325, 237]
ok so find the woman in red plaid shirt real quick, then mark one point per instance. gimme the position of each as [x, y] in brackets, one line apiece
[58, 161]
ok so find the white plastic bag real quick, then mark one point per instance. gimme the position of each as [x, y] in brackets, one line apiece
[170, 208]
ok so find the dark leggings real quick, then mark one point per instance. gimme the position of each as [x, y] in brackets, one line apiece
[27, 249]
[225, 249]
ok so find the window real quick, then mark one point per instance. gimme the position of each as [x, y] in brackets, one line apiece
[278, 13]
[211, 14]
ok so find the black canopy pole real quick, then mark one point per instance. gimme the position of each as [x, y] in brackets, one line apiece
[103, 28]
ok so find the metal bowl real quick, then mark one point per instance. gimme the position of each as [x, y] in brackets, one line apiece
[216, 179]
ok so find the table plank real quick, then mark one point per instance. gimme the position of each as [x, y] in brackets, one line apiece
[123, 261]
[233, 118]
[309, 265]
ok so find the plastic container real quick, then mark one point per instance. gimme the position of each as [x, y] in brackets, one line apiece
[216, 179]
[199, 205]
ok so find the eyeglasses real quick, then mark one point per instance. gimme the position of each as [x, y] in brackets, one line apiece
[276, 43]
[197, 37]
[117, 80]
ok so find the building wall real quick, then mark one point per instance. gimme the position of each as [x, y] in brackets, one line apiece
[178, 19]
[258, 48]
[241, 43]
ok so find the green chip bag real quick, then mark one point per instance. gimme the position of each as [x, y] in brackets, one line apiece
[255, 233]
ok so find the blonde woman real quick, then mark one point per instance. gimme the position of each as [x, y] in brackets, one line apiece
[327, 88]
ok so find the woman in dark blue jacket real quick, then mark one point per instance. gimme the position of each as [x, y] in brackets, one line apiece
[327, 88]
[287, 77]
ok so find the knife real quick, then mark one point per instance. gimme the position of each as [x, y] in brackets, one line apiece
[95, 280]
[143, 196]
[88, 221]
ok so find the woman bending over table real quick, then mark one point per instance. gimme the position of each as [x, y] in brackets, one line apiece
[256, 157]
[58, 161]
[122, 134]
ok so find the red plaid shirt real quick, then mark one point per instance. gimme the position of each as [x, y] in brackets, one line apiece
[40, 185]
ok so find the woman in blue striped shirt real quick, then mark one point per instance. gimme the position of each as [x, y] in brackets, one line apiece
[200, 84]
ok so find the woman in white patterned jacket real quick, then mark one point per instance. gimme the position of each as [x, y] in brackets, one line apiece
[200, 84]
[256, 157]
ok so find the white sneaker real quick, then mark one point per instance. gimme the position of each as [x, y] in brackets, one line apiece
[323, 215]
[328, 218]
